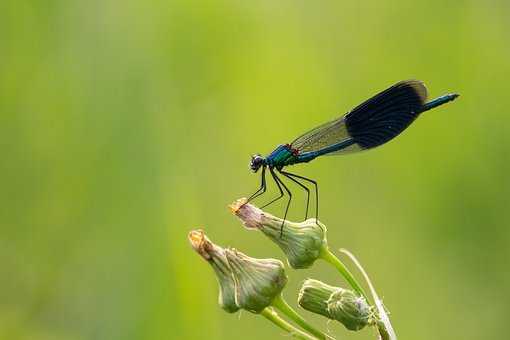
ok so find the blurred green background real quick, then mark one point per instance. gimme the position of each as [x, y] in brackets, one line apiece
[124, 124]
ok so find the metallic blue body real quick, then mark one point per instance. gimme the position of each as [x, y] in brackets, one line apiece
[283, 155]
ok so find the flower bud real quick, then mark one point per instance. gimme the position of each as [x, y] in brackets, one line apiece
[336, 303]
[215, 255]
[302, 242]
[258, 281]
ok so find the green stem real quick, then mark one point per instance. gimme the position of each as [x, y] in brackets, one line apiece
[383, 325]
[284, 307]
[329, 257]
[271, 315]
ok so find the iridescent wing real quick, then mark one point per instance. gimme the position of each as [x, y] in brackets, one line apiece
[374, 122]
[322, 136]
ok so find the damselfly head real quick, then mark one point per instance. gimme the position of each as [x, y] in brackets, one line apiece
[256, 162]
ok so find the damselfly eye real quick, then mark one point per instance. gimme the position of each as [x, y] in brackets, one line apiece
[256, 162]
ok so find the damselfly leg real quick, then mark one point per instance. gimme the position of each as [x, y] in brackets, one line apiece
[287, 174]
[279, 189]
[262, 188]
[277, 179]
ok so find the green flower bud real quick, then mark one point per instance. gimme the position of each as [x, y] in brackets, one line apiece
[302, 242]
[336, 303]
[258, 281]
[216, 257]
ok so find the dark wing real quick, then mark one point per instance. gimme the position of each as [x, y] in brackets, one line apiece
[375, 122]
[386, 115]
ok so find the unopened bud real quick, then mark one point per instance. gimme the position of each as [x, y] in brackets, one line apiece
[302, 242]
[336, 303]
[258, 281]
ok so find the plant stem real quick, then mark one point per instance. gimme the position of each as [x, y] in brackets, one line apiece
[384, 325]
[284, 307]
[271, 315]
[329, 257]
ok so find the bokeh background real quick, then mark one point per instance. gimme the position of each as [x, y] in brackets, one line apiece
[124, 124]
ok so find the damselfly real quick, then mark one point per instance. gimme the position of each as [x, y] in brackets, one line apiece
[373, 123]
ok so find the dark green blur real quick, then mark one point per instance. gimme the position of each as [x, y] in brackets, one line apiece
[124, 124]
